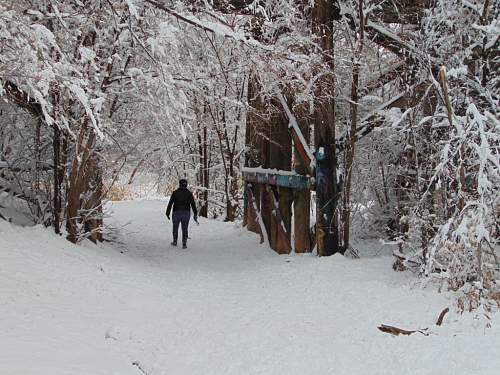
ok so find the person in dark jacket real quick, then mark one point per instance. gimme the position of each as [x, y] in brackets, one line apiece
[182, 201]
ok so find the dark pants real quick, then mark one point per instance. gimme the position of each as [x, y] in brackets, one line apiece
[181, 217]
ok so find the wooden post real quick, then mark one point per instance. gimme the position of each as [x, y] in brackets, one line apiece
[301, 202]
[280, 239]
[253, 155]
[285, 205]
[253, 223]
[280, 158]
[323, 15]
[327, 237]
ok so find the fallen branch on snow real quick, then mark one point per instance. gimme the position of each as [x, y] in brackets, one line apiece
[138, 365]
[441, 316]
[398, 331]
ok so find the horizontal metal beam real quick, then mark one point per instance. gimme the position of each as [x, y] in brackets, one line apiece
[278, 178]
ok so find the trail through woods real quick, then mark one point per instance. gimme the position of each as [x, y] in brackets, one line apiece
[227, 305]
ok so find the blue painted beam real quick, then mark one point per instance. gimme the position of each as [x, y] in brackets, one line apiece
[278, 178]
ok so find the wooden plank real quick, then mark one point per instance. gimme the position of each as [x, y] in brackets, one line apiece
[285, 206]
[275, 178]
[326, 203]
[253, 224]
[302, 220]
[299, 141]
[280, 157]
[280, 238]
[302, 198]
[300, 149]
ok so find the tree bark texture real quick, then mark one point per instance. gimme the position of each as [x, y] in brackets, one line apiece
[323, 15]
[302, 199]
[280, 158]
[350, 150]
[253, 154]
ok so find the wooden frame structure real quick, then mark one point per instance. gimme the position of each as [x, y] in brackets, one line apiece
[277, 198]
[277, 178]
[278, 194]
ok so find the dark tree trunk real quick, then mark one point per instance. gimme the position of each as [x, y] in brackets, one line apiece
[203, 175]
[280, 158]
[253, 156]
[56, 199]
[323, 15]
[80, 172]
[350, 149]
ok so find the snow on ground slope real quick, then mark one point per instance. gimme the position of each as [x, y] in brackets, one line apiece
[227, 305]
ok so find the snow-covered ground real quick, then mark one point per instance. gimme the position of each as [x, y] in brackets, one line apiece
[227, 305]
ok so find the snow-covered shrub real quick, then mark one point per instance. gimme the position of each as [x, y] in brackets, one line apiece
[464, 246]
[459, 208]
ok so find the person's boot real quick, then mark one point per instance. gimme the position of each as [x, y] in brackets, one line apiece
[184, 246]
[173, 243]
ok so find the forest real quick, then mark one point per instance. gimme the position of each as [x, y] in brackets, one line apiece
[403, 94]
[313, 123]
[324, 129]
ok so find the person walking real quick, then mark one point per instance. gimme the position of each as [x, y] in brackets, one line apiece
[182, 201]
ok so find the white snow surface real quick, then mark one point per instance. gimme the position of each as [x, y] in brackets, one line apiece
[227, 305]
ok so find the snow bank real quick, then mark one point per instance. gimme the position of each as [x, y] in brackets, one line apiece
[227, 305]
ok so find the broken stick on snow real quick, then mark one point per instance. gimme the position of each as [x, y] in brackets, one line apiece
[398, 331]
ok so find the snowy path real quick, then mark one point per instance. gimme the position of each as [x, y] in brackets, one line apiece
[227, 305]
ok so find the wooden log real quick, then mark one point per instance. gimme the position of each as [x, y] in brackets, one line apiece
[398, 331]
[300, 142]
[245, 206]
[280, 157]
[441, 316]
[251, 218]
[280, 240]
[327, 238]
[302, 200]
[277, 178]
[253, 224]
[253, 153]
[299, 148]
[302, 221]
[312, 236]
[285, 207]
[263, 136]
[324, 133]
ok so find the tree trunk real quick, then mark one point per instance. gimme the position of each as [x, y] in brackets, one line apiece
[78, 179]
[253, 155]
[203, 174]
[323, 15]
[56, 199]
[280, 158]
[349, 152]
